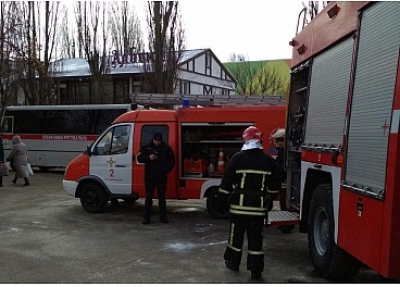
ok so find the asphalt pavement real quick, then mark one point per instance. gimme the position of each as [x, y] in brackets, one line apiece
[47, 237]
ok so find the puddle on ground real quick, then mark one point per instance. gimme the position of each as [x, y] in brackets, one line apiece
[187, 246]
[203, 227]
[187, 209]
[10, 230]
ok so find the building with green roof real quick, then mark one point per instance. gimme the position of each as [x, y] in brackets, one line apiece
[267, 78]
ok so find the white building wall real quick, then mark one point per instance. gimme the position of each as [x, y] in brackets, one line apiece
[205, 80]
[215, 68]
[196, 89]
[200, 64]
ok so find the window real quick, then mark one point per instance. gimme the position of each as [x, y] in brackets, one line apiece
[121, 93]
[82, 92]
[88, 122]
[137, 87]
[115, 141]
[208, 64]
[222, 74]
[7, 127]
[148, 132]
[184, 88]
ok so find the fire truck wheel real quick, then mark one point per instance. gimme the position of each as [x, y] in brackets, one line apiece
[216, 207]
[328, 259]
[93, 198]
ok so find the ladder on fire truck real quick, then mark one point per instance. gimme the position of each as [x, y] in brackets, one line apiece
[162, 100]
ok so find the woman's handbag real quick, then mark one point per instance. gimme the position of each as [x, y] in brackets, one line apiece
[4, 169]
[30, 171]
[11, 161]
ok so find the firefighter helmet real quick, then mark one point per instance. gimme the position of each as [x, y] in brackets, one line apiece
[252, 133]
[279, 133]
[252, 137]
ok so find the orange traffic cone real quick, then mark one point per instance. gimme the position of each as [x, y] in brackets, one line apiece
[221, 163]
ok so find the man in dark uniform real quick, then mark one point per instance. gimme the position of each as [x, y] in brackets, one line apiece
[279, 139]
[248, 176]
[159, 160]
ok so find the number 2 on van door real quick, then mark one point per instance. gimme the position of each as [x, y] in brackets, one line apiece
[111, 173]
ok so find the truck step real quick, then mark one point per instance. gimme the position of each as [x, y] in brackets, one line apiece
[279, 218]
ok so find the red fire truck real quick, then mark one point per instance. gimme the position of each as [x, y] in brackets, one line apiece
[201, 137]
[343, 146]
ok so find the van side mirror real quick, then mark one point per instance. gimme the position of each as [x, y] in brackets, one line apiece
[88, 150]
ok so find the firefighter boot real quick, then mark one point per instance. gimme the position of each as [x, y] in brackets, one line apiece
[255, 275]
[164, 220]
[26, 181]
[232, 265]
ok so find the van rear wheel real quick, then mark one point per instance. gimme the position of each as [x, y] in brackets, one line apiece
[93, 198]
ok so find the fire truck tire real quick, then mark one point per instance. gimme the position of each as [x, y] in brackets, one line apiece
[93, 198]
[217, 208]
[328, 259]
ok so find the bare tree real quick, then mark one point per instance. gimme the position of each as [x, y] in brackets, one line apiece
[125, 28]
[255, 78]
[36, 48]
[166, 42]
[68, 38]
[9, 70]
[313, 8]
[92, 26]
[80, 17]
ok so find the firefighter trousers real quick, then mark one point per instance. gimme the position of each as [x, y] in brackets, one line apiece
[161, 187]
[253, 225]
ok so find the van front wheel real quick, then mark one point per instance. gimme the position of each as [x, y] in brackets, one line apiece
[93, 198]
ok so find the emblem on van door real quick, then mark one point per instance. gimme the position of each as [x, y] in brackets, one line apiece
[111, 161]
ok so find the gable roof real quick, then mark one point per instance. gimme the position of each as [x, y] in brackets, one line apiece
[79, 67]
[203, 51]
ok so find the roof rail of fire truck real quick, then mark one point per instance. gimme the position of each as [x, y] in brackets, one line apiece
[207, 100]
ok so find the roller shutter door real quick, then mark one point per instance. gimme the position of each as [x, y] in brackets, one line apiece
[328, 96]
[371, 109]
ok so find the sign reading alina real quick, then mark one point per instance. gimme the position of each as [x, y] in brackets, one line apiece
[132, 58]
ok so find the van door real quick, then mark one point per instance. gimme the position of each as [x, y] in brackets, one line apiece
[144, 134]
[111, 158]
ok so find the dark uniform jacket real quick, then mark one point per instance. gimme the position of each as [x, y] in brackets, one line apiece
[1, 150]
[156, 169]
[281, 173]
[247, 178]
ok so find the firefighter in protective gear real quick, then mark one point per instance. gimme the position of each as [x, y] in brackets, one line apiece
[279, 140]
[249, 174]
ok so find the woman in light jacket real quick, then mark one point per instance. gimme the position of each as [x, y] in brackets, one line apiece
[19, 157]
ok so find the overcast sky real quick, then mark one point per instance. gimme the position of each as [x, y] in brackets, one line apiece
[261, 30]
